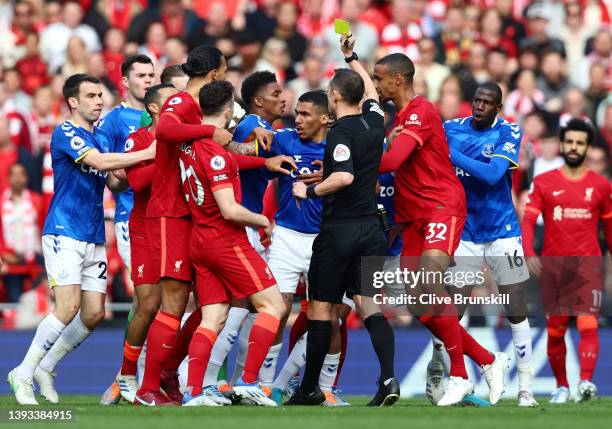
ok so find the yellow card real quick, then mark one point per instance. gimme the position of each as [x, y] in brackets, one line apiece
[341, 26]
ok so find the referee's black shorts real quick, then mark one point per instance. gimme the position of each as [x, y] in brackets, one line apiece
[336, 265]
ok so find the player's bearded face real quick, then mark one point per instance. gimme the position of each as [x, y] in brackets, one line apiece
[574, 148]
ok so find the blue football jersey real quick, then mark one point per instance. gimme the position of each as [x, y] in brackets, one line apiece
[490, 209]
[306, 218]
[385, 197]
[76, 210]
[117, 125]
[252, 182]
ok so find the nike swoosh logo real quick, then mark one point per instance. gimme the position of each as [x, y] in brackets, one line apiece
[252, 342]
[166, 347]
[555, 193]
[448, 349]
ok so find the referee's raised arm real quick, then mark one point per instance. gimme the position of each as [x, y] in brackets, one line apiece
[347, 43]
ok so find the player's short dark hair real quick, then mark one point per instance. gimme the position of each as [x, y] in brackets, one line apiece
[317, 98]
[399, 64]
[215, 96]
[152, 95]
[578, 124]
[73, 83]
[202, 60]
[128, 64]
[494, 88]
[349, 84]
[255, 83]
[171, 72]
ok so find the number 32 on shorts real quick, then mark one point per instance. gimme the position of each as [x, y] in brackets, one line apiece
[436, 232]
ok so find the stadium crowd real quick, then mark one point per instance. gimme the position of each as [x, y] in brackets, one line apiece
[553, 60]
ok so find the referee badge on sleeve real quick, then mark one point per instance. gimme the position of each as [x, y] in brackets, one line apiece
[341, 153]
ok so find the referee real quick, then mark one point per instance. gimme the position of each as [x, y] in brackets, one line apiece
[350, 230]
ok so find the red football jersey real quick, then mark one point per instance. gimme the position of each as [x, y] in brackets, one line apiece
[139, 140]
[426, 182]
[208, 167]
[166, 193]
[571, 209]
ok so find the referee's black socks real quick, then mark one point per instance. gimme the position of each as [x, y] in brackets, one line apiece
[383, 342]
[317, 346]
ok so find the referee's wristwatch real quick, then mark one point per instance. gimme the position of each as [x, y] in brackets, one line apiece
[310, 191]
[351, 58]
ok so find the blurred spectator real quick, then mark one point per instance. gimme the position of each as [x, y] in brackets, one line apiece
[177, 21]
[262, 21]
[375, 14]
[249, 49]
[12, 85]
[316, 16]
[420, 85]
[547, 160]
[54, 39]
[113, 14]
[534, 128]
[31, 67]
[601, 54]
[17, 126]
[215, 27]
[596, 93]
[452, 86]
[538, 19]
[434, 72]
[13, 36]
[114, 42]
[175, 76]
[491, 35]
[524, 99]
[450, 106]
[553, 81]
[287, 30]
[53, 12]
[176, 51]
[405, 31]
[511, 28]
[76, 58]
[275, 58]
[95, 67]
[604, 121]
[452, 42]
[10, 153]
[574, 106]
[366, 36]
[41, 120]
[475, 72]
[574, 34]
[598, 160]
[311, 77]
[21, 219]
[155, 44]
[499, 66]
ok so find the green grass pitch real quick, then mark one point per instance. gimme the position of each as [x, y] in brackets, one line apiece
[407, 413]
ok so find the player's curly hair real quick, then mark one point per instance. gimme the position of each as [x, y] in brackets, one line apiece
[202, 60]
[254, 83]
[215, 96]
[578, 124]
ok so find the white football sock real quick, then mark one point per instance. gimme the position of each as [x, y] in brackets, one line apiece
[440, 355]
[295, 362]
[521, 337]
[73, 335]
[225, 341]
[243, 347]
[329, 372]
[268, 368]
[141, 362]
[47, 333]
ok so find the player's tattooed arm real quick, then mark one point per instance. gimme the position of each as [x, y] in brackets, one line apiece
[248, 148]
[263, 141]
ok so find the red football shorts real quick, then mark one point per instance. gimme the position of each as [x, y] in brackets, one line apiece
[144, 270]
[440, 231]
[168, 240]
[571, 285]
[225, 272]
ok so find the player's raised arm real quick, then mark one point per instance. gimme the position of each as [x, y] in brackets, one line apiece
[347, 43]
[113, 161]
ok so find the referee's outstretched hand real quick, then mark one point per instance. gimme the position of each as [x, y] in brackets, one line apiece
[347, 43]
[275, 164]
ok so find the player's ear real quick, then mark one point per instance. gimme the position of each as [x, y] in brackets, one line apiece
[73, 102]
[258, 101]
[124, 81]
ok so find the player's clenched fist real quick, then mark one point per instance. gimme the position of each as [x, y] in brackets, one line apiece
[299, 190]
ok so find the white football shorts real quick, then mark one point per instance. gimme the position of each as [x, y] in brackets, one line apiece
[290, 254]
[122, 232]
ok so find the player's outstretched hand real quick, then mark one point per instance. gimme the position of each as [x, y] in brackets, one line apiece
[264, 137]
[535, 266]
[316, 177]
[266, 234]
[275, 164]
[299, 190]
[347, 43]
[223, 137]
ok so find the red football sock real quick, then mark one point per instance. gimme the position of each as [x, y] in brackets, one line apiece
[344, 338]
[200, 346]
[447, 329]
[474, 350]
[556, 327]
[588, 347]
[159, 345]
[181, 343]
[299, 328]
[130, 359]
[261, 339]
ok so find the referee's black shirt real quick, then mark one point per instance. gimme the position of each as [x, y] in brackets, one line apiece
[354, 145]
